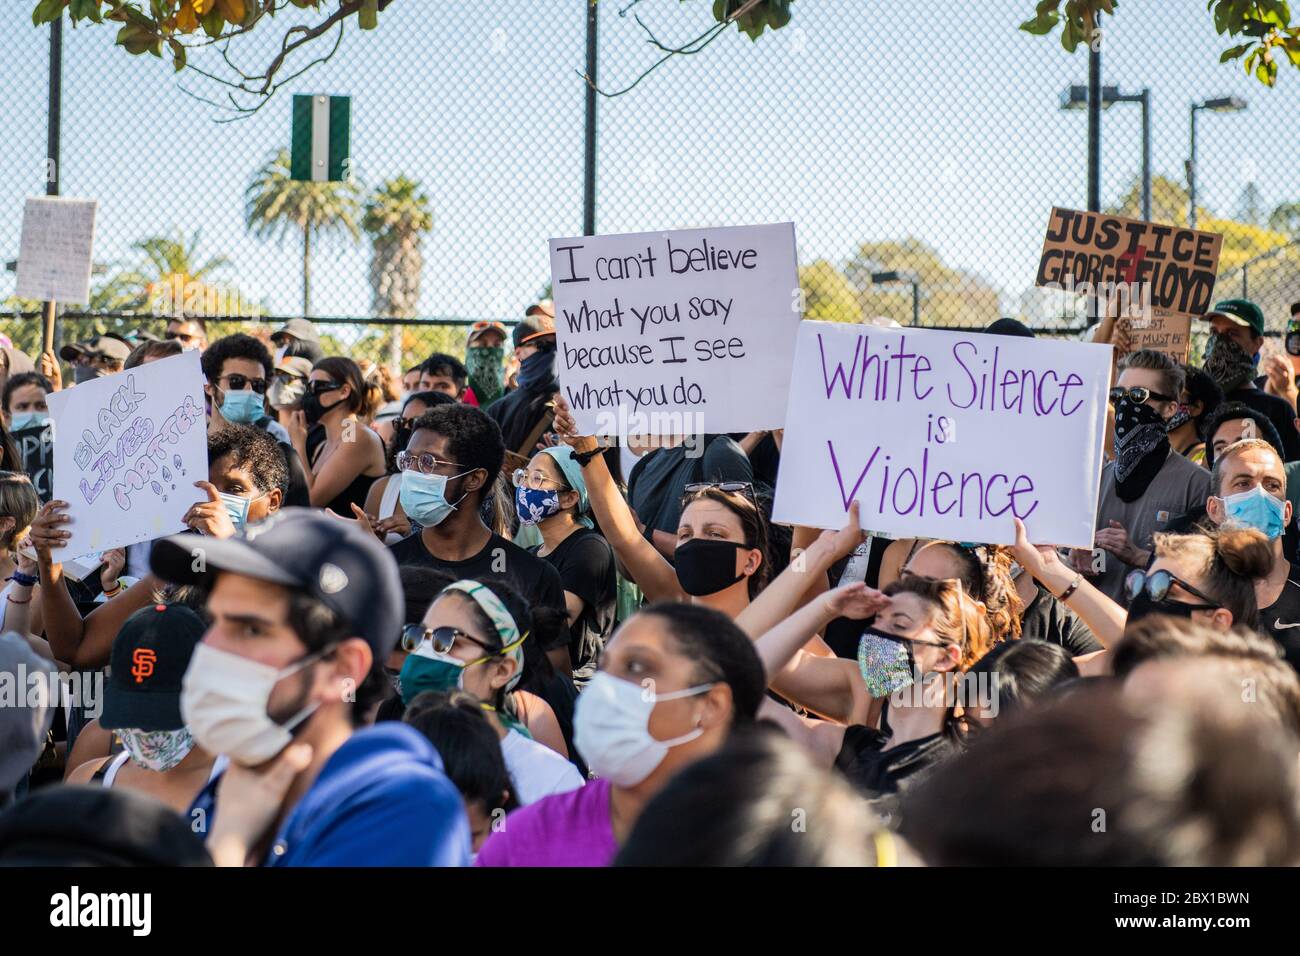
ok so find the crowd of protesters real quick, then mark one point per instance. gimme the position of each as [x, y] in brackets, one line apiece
[418, 619]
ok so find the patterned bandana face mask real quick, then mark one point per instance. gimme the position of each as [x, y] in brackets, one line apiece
[885, 662]
[1139, 433]
[1228, 363]
[157, 750]
[536, 504]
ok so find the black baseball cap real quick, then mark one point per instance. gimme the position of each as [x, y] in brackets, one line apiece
[1008, 326]
[327, 558]
[148, 661]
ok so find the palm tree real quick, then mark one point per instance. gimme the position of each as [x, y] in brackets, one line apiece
[167, 259]
[397, 216]
[277, 204]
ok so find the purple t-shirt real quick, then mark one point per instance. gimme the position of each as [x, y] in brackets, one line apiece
[564, 829]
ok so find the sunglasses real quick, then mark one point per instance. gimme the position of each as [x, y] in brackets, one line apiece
[237, 383]
[1137, 395]
[727, 487]
[1157, 585]
[320, 388]
[180, 337]
[443, 639]
[1293, 343]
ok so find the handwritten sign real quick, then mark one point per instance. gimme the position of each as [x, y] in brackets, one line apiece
[55, 248]
[35, 446]
[127, 451]
[944, 434]
[1168, 267]
[662, 333]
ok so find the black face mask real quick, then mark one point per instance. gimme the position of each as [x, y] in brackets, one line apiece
[1143, 606]
[707, 567]
[312, 409]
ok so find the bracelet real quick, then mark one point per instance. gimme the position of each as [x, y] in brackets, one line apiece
[1074, 586]
[583, 458]
[114, 590]
[10, 599]
[23, 580]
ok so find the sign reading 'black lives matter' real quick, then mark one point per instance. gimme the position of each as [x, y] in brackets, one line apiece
[676, 333]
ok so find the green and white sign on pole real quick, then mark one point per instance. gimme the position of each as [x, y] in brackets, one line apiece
[322, 138]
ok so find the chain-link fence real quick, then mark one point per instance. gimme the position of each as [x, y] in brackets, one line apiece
[918, 145]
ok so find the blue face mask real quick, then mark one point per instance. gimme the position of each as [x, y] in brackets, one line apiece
[237, 508]
[243, 407]
[424, 497]
[1256, 509]
[28, 420]
[536, 504]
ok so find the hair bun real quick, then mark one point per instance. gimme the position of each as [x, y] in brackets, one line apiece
[1245, 552]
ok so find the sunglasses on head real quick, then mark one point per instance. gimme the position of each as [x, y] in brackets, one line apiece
[443, 639]
[727, 487]
[1157, 585]
[237, 383]
[1137, 395]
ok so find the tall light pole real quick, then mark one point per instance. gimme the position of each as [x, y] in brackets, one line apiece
[882, 278]
[1221, 104]
[1076, 98]
[589, 126]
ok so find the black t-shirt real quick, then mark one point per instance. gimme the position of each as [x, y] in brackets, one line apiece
[1278, 411]
[1047, 619]
[1281, 619]
[535, 580]
[655, 487]
[585, 563]
[876, 771]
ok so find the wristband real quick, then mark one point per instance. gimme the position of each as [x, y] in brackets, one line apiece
[117, 586]
[1074, 586]
[583, 458]
[10, 599]
[24, 580]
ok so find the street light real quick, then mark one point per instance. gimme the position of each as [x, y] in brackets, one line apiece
[1076, 98]
[1220, 104]
[883, 278]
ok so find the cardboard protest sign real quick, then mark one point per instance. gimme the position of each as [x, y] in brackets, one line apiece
[1162, 275]
[944, 434]
[35, 446]
[55, 248]
[127, 451]
[662, 333]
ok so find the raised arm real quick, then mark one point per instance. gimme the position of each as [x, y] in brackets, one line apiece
[827, 686]
[1104, 617]
[779, 599]
[645, 565]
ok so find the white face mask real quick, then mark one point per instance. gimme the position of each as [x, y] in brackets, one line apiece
[611, 728]
[224, 698]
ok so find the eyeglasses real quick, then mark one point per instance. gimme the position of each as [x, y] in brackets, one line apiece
[1157, 585]
[535, 480]
[442, 638]
[1137, 395]
[240, 382]
[320, 388]
[424, 463]
[727, 487]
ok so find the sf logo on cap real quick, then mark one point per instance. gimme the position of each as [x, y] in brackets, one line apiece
[142, 663]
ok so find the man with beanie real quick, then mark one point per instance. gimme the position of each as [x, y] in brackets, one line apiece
[304, 612]
[1231, 357]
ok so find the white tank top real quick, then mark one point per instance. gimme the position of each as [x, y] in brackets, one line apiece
[110, 774]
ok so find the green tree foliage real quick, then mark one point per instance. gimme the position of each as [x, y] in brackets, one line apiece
[1269, 35]
[278, 206]
[828, 294]
[948, 296]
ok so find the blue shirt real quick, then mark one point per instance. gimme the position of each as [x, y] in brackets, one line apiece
[380, 800]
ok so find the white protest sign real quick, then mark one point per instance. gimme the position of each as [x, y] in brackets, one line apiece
[127, 451]
[55, 248]
[676, 333]
[944, 434]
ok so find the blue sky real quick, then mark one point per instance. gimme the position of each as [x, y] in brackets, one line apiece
[862, 120]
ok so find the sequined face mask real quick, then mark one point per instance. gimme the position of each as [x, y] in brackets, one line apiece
[885, 662]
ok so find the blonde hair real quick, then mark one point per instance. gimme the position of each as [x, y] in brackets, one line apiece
[18, 500]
